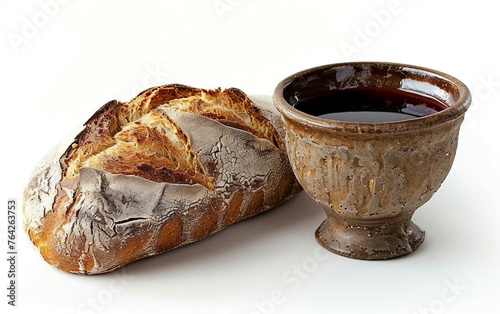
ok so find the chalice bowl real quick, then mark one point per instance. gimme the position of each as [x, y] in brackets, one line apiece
[371, 142]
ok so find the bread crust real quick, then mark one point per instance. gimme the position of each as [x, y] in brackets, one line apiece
[170, 167]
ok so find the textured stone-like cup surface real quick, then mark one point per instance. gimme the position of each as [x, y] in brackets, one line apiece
[371, 177]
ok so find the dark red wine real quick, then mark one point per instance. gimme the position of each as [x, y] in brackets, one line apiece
[369, 104]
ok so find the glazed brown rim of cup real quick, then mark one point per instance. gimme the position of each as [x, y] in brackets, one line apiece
[454, 110]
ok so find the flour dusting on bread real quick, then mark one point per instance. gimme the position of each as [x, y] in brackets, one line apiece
[170, 167]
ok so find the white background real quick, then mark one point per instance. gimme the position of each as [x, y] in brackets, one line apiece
[62, 60]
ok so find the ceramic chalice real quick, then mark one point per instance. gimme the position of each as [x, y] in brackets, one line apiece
[371, 142]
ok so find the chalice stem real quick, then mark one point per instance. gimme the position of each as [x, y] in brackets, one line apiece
[371, 239]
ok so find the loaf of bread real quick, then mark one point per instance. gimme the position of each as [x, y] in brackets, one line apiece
[170, 167]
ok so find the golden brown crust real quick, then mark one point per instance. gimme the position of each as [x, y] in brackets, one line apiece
[170, 167]
[121, 136]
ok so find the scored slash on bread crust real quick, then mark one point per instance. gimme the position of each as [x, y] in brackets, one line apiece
[143, 127]
[170, 167]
